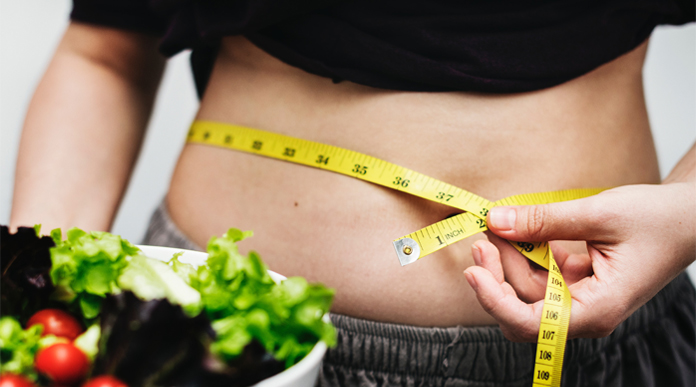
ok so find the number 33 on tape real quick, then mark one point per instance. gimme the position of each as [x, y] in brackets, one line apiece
[556, 311]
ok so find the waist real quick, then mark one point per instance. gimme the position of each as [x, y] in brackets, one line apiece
[590, 132]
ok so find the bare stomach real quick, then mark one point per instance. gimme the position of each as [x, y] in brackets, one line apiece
[590, 132]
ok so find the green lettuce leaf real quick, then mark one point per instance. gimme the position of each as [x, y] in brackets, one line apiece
[150, 279]
[246, 305]
[234, 290]
[88, 341]
[185, 271]
[86, 266]
[229, 281]
[18, 347]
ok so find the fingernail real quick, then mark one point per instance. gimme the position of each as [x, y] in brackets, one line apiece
[503, 218]
[471, 280]
[476, 253]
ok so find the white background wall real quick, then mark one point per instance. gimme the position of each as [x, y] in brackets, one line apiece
[30, 30]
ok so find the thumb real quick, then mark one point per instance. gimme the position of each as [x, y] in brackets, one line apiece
[581, 219]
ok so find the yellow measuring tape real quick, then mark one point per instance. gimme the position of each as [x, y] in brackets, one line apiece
[557, 302]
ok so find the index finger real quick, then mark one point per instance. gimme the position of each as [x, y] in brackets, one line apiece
[581, 219]
[518, 321]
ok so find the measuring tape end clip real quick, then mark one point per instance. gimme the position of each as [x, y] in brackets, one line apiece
[407, 250]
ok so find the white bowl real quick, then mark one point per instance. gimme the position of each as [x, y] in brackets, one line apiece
[302, 374]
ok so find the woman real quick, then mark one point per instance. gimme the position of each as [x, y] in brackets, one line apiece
[498, 99]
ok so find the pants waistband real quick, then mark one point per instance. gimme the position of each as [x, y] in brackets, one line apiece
[480, 353]
[655, 343]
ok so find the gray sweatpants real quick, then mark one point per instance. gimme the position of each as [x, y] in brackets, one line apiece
[656, 346]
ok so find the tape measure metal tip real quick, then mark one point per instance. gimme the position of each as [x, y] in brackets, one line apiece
[407, 250]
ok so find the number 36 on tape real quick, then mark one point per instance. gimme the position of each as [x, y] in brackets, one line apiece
[553, 329]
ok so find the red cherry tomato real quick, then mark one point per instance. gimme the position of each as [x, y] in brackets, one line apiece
[12, 380]
[62, 362]
[104, 381]
[56, 322]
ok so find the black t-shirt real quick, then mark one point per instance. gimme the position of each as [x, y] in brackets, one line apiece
[415, 45]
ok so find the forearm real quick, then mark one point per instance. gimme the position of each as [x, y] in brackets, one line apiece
[685, 170]
[683, 199]
[83, 129]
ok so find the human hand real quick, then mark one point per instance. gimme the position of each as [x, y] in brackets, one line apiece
[638, 238]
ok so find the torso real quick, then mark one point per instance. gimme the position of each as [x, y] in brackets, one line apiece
[592, 131]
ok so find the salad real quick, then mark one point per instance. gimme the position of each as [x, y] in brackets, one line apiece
[91, 310]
